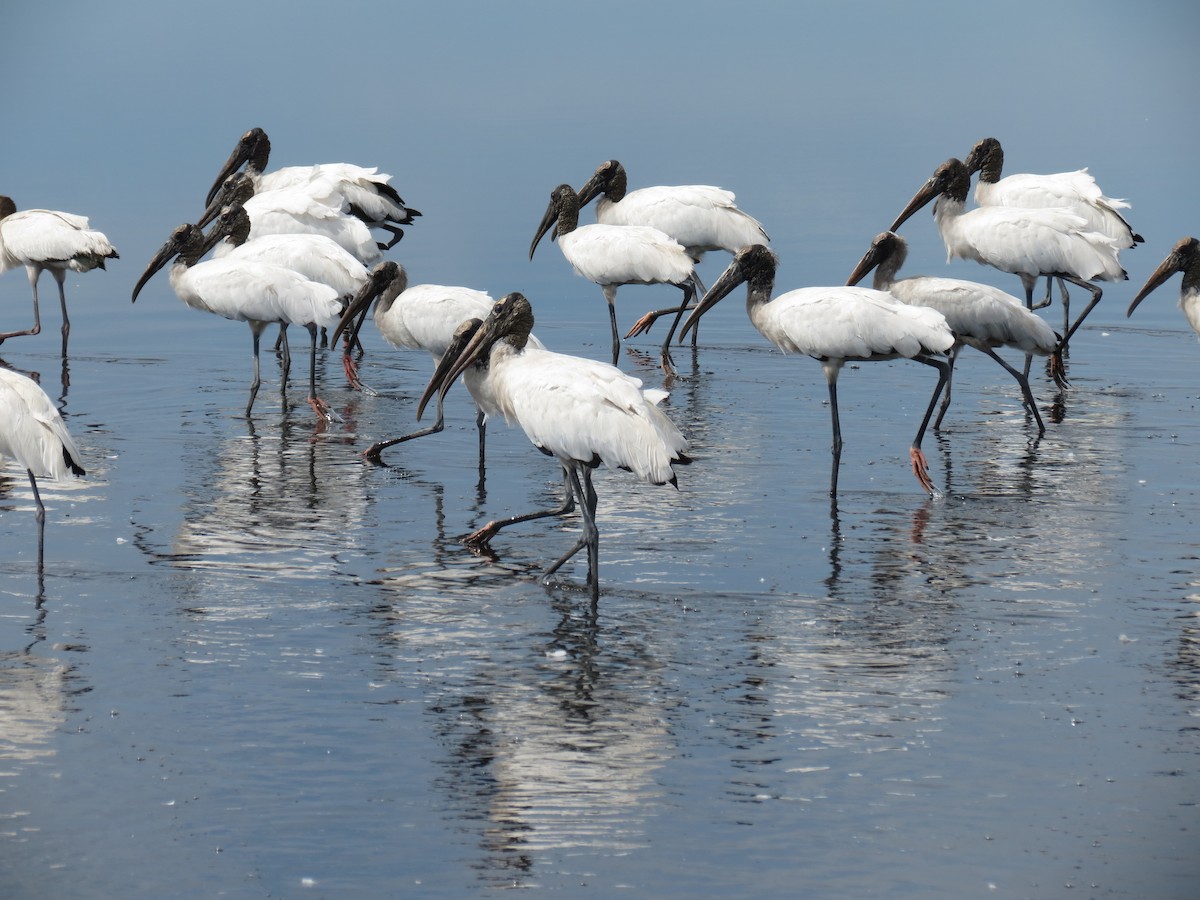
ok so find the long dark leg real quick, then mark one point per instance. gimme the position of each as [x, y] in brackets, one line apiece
[1029, 283]
[41, 522]
[610, 296]
[37, 320]
[668, 364]
[481, 427]
[919, 463]
[256, 333]
[1046, 301]
[590, 535]
[282, 347]
[373, 452]
[951, 359]
[60, 275]
[481, 537]
[320, 407]
[831, 376]
[1096, 292]
[1066, 301]
[1023, 381]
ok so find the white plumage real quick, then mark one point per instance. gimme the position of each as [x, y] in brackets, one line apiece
[363, 192]
[294, 211]
[1076, 191]
[833, 325]
[33, 433]
[1184, 257]
[581, 411]
[981, 316]
[315, 256]
[1026, 242]
[421, 317]
[699, 216]
[613, 255]
[41, 239]
[245, 291]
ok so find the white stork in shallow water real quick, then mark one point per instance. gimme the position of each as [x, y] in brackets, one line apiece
[366, 191]
[315, 256]
[1184, 257]
[580, 411]
[699, 216]
[835, 325]
[33, 433]
[1076, 191]
[245, 291]
[421, 317]
[1026, 242]
[293, 211]
[613, 255]
[981, 316]
[41, 239]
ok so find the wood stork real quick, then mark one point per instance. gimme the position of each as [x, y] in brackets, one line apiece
[253, 292]
[1076, 191]
[421, 317]
[1026, 242]
[833, 325]
[33, 433]
[41, 239]
[699, 216]
[315, 256]
[981, 316]
[613, 255]
[580, 411]
[294, 211]
[366, 191]
[1184, 257]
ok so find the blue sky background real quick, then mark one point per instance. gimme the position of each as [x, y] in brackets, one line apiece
[823, 118]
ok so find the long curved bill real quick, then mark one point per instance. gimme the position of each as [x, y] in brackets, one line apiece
[239, 156]
[730, 278]
[355, 313]
[548, 220]
[471, 339]
[928, 191]
[869, 261]
[166, 253]
[591, 189]
[1158, 277]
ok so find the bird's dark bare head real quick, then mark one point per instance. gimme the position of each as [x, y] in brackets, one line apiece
[986, 156]
[562, 214]
[512, 319]
[255, 148]
[757, 263]
[950, 179]
[886, 254]
[1184, 257]
[252, 150]
[234, 190]
[187, 242]
[233, 223]
[609, 179]
[7, 207]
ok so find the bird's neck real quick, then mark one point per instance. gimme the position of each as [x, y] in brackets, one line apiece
[568, 220]
[1191, 281]
[993, 165]
[617, 186]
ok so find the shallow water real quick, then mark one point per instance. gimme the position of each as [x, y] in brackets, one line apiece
[262, 667]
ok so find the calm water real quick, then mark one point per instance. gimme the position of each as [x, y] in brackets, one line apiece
[261, 667]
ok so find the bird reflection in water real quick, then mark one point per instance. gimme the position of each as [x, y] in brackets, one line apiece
[559, 754]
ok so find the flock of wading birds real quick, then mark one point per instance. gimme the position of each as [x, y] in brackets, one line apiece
[295, 246]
